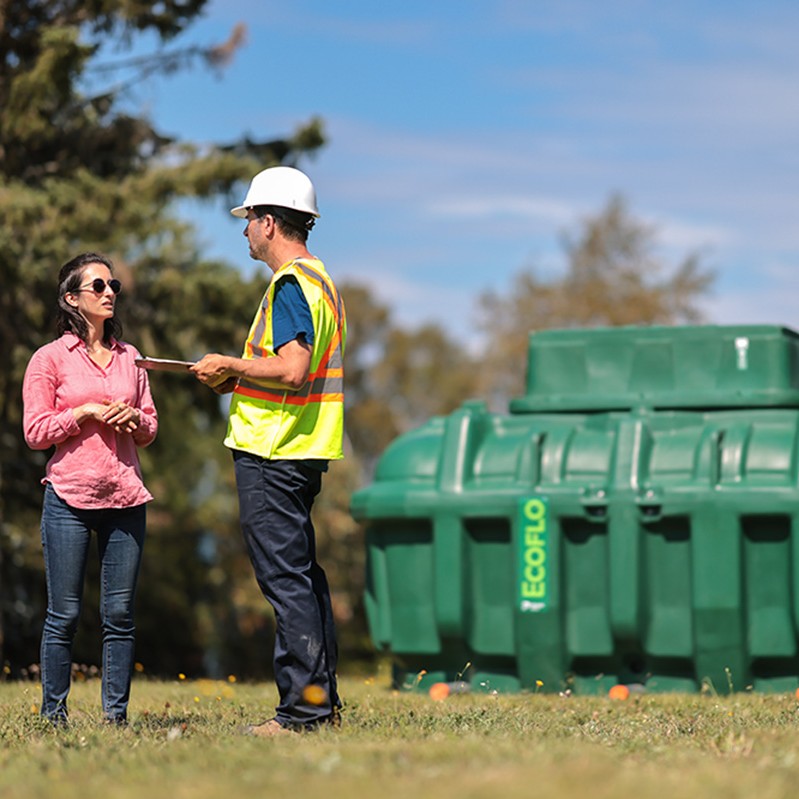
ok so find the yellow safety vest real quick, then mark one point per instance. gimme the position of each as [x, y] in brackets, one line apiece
[304, 424]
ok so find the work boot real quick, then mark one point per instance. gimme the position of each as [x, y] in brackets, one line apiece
[269, 729]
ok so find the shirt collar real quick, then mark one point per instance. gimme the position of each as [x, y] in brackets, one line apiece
[71, 341]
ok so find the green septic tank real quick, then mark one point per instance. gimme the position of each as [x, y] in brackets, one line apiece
[633, 519]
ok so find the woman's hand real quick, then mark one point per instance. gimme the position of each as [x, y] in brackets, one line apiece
[118, 415]
[90, 410]
[122, 417]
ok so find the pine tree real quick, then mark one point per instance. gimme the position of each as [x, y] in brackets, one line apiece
[79, 171]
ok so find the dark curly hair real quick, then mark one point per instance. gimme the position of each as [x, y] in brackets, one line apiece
[69, 319]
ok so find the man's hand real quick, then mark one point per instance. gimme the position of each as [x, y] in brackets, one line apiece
[213, 370]
[287, 369]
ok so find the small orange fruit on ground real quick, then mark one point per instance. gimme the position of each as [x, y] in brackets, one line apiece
[439, 691]
[619, 692]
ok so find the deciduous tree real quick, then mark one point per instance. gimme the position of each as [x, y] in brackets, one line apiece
[613, 276]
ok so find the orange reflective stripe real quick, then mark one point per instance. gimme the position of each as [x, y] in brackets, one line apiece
[320, 387]
[287, 399]
[333, 349]
[330, 293]
[272, 422]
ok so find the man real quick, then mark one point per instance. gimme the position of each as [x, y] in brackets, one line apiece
[286, 423]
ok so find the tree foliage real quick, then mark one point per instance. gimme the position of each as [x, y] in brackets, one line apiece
[79, 172]
[397, 378]
[613, 276]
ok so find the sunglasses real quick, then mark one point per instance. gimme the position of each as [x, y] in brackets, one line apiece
[98, 286]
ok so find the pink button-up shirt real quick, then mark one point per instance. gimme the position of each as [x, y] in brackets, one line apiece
[93, 466]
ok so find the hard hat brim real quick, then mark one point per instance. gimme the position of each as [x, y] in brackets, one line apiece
[241, 211]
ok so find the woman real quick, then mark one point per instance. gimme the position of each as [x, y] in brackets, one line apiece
[84, 394]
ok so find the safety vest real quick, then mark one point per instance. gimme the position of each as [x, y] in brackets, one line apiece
[304, 424]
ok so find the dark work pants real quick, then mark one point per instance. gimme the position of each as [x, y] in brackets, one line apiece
[275, 500]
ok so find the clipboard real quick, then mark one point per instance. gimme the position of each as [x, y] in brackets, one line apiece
[163, 364]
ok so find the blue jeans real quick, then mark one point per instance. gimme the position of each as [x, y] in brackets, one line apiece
[275, 500]
[66, 536]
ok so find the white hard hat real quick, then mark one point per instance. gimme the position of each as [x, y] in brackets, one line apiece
[283, 186]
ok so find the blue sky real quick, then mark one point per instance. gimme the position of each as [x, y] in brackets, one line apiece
[466, 137]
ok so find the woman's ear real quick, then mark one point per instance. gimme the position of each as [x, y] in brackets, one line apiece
[71, 299]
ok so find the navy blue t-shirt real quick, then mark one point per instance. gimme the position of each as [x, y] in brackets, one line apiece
[291, 319]
[291, 316]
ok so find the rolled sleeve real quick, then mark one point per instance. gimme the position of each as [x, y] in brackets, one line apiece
[145, 433]
[44, 425]
[93, 465]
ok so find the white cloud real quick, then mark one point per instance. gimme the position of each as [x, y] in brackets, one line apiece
[487, 206]
[766, 295]
[683, 235]
[767, 306]
[689, 112]
[414, 303]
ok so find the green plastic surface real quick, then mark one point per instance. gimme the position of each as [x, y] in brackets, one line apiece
[667, 558]
[661, 367]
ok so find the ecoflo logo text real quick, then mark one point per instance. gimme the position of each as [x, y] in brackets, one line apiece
[534, 538]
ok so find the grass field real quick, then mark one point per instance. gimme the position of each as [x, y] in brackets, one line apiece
[183, 742]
